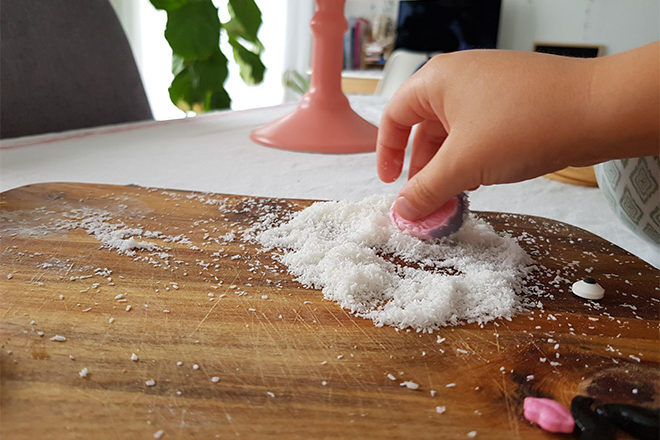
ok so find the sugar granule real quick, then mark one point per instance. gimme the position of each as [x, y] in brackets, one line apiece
[358, 258]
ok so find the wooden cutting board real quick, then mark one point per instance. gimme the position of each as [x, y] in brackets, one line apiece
[288, 363]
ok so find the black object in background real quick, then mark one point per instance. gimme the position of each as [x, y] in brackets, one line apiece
[65, 64]
[447, 25]
[568, 50]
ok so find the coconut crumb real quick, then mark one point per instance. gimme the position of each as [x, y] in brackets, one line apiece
[58, 338]
[215, 379]
[409, 384]
[150, 383]
[134, 357]
[158, 434]
[440, 409]
[83, 373]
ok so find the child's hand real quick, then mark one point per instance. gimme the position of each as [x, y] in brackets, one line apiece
[488, 117]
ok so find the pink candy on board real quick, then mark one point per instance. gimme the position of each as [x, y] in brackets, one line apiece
[446, 220]
[549, 415]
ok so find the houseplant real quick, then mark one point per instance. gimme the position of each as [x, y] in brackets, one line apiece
[198, 64]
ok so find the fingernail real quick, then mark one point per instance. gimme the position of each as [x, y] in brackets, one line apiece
[405, 209]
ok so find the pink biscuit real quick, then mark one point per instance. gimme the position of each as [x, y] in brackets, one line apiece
[548, 414]
[446, 220]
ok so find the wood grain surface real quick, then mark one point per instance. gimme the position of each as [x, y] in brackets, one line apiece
[289, 364]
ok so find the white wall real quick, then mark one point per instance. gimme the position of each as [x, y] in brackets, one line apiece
[616, 24]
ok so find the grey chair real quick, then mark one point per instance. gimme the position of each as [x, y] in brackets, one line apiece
[65, 64]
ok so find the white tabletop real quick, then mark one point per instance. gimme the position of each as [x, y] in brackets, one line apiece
[213, 153]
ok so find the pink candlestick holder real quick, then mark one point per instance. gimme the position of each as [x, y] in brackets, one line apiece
[323, 122]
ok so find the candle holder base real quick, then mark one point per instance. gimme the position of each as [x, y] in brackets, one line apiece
[317, 128]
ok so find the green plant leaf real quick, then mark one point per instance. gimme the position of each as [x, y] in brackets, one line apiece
[178, 64]
[245, 19]
[209, 75]
[251, 68]
[198, 85]
[193, 30]
[219, 100]
[168, 5]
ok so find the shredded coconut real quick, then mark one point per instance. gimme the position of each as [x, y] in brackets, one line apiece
[358, 258]
[83, 373]
[58, 338]
[134, 357]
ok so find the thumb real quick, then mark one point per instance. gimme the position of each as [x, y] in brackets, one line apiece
[447, 174]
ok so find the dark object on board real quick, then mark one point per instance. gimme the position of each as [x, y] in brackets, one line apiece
[588, 424]
[642, 423]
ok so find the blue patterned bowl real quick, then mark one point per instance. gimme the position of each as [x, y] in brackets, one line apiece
[631, 187]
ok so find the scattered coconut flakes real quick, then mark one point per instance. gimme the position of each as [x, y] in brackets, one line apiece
[61, 296]
[158, 434]
[111, 320]
[150, 383]
[10, 276]
[433, 393]
[338, 247]
[71, 357]
[324, 383]
[270, 394]
[128, 308]
[179, 363]
[215, 379]
[472, 434]
[83, 373]
[195, 367]
[409, 384]
[440, 409]
[450, 385]
[58, 338]
[134, 357]
[390, 376]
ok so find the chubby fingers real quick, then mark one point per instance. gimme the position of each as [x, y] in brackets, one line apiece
[428, 138]
[402, 112]
[447, 174]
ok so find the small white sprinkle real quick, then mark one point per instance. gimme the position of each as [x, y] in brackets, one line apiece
[10, 276]
[150, 383]
[195, 367]
[440, 409]
[111, 320]
[530, 377]
[158, 434]
[472, 434]
[120, 296]
[390, 376]
[340, 356]
[324, 383]
[58, 338]
[324, 362]
[450, 385]
[433, 393]
[409, 384]
[134, 357]
[39, 332]
[264, 296]
[61, 296]
[635, 391]
[270, 394]
[166, 311]
[441, 340]
[215, 379]
[128, 308]
[179, 363]
[83, 373]
[460, 350]
[71, 357]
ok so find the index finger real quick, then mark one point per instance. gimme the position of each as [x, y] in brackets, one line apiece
[402, 112]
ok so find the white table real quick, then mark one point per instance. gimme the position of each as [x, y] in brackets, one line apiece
[212, 153]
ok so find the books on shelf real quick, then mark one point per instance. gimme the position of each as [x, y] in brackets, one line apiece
[356, 39]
